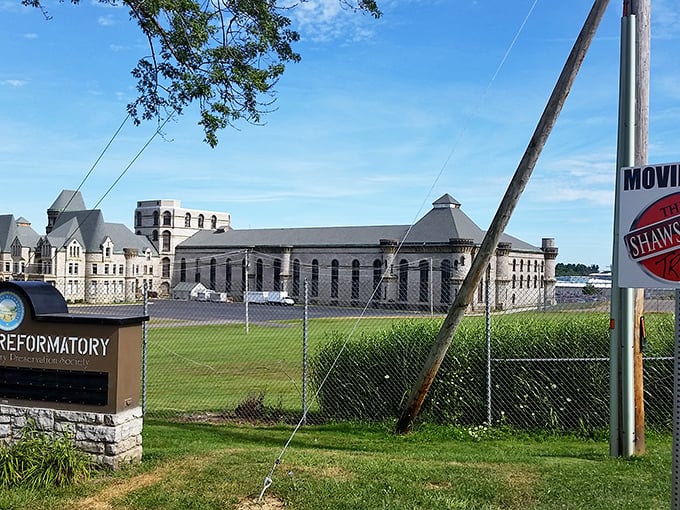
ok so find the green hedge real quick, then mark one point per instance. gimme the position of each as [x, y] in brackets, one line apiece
[373, 374]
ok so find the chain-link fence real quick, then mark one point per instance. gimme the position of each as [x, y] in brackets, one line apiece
[343, 353]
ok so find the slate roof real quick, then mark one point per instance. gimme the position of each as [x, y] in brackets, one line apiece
[68, 200]
[10, 230]
[90, 230]
[443, 222]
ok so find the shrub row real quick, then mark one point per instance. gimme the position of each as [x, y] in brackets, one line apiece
[546, 371]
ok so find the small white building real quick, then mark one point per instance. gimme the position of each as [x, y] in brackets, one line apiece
[190, 291]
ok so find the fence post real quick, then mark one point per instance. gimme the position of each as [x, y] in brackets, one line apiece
[487, 332]
[144, 346]
[305, 322]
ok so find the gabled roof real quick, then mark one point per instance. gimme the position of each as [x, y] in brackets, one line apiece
[443, 222]
[189, 286]
[90, 230]
[10, 229]
[307, 236]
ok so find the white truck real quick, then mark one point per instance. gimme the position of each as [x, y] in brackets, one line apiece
[271, 297]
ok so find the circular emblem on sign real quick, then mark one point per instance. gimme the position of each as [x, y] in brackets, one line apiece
[11, 311]
[654, 239]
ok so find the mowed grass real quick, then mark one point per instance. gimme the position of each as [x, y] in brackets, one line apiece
[354, 467]
[215, 367]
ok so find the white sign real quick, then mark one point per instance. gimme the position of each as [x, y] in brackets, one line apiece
[649, 226]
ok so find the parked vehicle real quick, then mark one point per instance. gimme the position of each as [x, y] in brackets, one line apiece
[271, 297]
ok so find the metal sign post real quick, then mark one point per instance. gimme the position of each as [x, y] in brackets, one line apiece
[675, 480]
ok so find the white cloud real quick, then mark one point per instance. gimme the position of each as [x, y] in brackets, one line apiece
[106, 21]
[328, 20]
[14, 83]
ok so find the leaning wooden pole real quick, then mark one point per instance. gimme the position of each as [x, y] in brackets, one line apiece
[502, 217]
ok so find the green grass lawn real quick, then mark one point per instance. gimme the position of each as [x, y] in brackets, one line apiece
[210, 368]
[349, 466]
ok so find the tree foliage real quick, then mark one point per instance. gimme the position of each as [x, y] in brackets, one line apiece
[562, 269]
[225, 55]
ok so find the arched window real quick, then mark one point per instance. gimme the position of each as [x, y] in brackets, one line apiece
[154, 235]
[335, 276]
[138, 219]
[213, 274]
[167, 219]
[445, 284]
[514, 281]
[259, 274]
[197, 272]
[424, 269]
[183, 270]
[201, 220]
[355, 278]
[514, 264]
[165, 267]
[227, 277]
[521, 266]
[377, 277]
[213, 222]
[403, 280]
[187, 220]
[535, 282]
[166, 241]
[277, 274]
[155, 218]
[315, 278]
[296, 278]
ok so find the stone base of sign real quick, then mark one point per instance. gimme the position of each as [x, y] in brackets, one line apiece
[111, 440]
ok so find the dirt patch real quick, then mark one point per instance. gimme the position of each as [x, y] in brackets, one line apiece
[267, 503]
[102, 500]
[120, 488]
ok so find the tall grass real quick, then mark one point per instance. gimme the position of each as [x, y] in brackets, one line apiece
[38, 460]
[547, 371]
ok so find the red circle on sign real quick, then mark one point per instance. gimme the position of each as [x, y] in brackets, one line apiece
[661, 238]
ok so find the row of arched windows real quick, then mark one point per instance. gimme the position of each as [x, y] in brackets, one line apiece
[167, 220]
[521, 265]
[424, 270]
[520, 281]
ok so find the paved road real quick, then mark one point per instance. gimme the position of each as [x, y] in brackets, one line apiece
[226, 312]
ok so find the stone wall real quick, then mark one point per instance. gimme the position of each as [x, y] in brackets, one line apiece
[112, 440]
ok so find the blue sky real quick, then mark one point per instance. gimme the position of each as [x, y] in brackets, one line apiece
[377, 121]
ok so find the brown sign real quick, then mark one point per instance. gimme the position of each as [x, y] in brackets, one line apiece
[65, 361]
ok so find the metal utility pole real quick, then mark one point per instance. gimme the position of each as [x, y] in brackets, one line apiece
[502, 217]
[626, 430]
